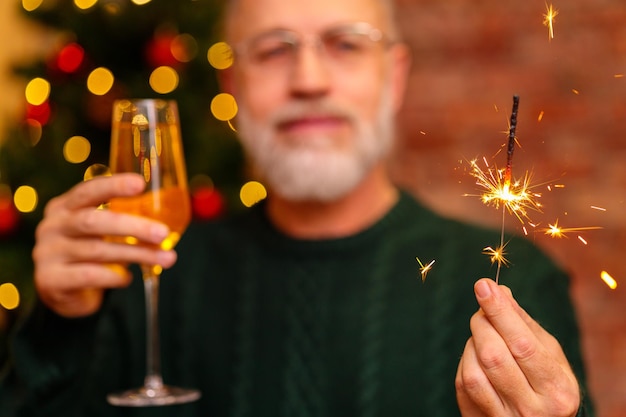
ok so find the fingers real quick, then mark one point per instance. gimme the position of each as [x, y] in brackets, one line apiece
[476, 395]
[501, 320]
[97, 191]
[75, 242]
[517, 356]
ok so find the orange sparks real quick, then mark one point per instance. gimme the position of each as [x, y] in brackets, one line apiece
[548, 19]
[556, 231]
[425, 269]
[598, 208]
[608, 279]
[540, 117]
[515, 195]
[496, 255]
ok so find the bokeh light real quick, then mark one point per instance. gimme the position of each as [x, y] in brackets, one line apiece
[164, 80]
[220, 55]
[184, 47]
[141, 2]
[96, 170]
[9, 296]
[37, 91]
[76, 149]
[100, 81]
[34, 131]
[224, 107]
[70, 57]
[251, 193]
[31, 5]
[25, 199]
[85, 4]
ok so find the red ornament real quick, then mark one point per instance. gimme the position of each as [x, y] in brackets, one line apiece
[207, 203]
[159, 51]
[39, 113]
[9, 216]
[70, 58]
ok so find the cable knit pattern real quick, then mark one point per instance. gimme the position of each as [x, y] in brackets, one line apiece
[269, 326]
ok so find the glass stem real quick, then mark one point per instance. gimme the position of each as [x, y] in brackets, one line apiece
[153, 380]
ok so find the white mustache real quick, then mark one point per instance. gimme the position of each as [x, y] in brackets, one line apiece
[301, 110]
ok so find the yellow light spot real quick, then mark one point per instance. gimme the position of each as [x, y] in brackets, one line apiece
[31, 5]
[184, 47]
[164, 80]
[85, 4]
[608, 279]
[76, 149]
[251, 193]
[220, 55]
[100, 81]
[141, 2]
[224, 107]
[96, 170]
[575, 91]
[9, 296]
[540, 117]
[37, 91]
[25, 199]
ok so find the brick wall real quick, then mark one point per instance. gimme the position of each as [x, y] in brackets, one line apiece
[469, 59]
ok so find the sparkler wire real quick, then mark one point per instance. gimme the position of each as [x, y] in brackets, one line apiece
[508, 173]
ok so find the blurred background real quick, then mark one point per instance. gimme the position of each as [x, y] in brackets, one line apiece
[63, 62]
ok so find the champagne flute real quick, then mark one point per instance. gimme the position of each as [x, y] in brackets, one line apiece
[145, 139]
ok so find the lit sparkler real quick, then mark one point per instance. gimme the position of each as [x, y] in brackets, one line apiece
[425, 269]
[548, 19]
[501, 190]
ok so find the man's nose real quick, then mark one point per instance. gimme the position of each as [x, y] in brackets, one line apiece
[310, 75]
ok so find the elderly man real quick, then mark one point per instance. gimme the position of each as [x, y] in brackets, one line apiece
[310, 303]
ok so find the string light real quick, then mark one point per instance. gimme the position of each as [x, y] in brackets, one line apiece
[85, 4]
[76, 149]
[9, 296]
[164, 80]
[224, 107]
[220, 55]
[252, 192]
[31, 5]
[37, 91]
[25, 199]
[100, 81]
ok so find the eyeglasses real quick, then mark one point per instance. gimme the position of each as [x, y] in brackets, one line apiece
[344, 47]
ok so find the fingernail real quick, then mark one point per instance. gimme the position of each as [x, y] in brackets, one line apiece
[482, 289]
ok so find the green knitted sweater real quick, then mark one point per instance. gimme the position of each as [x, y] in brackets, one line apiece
[268, 326]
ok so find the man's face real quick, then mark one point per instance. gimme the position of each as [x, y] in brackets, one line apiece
[317, 117]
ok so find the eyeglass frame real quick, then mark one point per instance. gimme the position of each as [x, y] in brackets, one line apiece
[298, 40]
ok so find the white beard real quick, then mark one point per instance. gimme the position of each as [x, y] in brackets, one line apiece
[317, 169]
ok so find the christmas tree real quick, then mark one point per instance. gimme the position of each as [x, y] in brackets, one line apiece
[107, 50]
